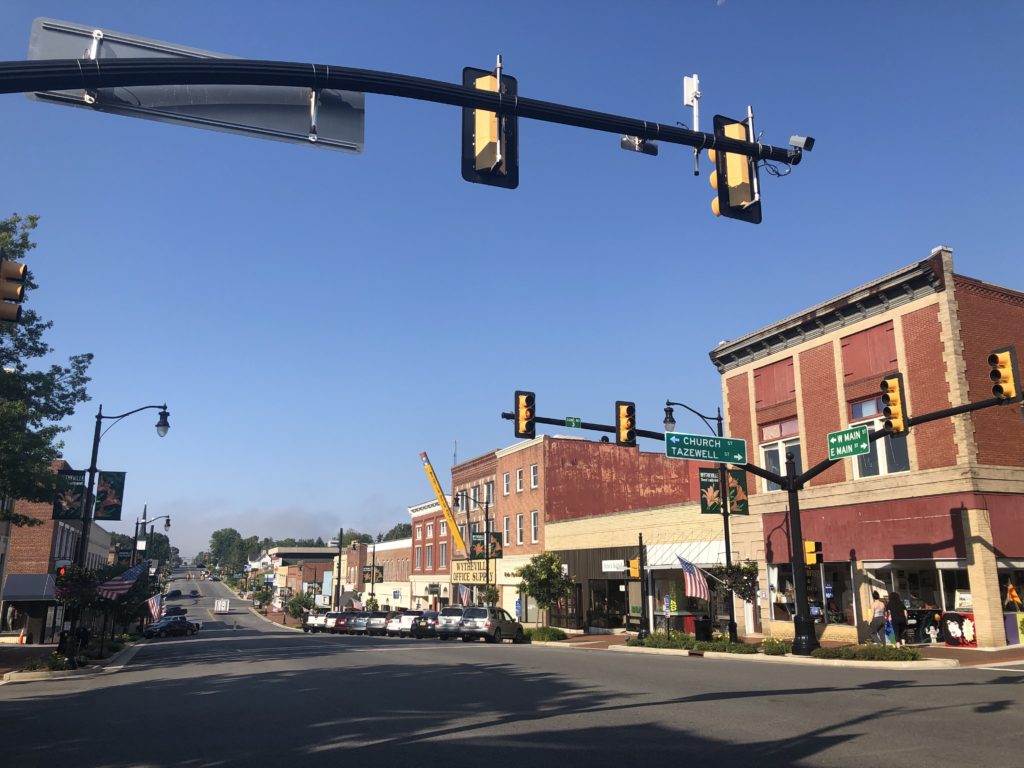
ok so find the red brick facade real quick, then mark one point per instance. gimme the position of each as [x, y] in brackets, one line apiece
[928, 386]
[819, 384]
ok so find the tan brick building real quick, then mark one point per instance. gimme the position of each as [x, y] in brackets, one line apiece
[937, 515]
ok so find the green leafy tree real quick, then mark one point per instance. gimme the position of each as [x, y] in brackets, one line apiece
[299, 606]
[32, 402]
[543, 580]
[76, 587]
[489, 595]
[400, 531]
[227, 549]
[158, 547]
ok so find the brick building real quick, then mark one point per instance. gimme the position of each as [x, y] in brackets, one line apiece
[935, 515]
[430, 584]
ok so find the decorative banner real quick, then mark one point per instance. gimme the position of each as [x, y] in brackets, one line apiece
[710, 493]
[109, 492]
[379, 576]
[67, 504]
[477, 550]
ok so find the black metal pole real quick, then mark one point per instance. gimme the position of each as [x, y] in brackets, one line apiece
[644, 618]
[487, 551]
[83, 544]
[804, 638]
[337, 581]
[373, 572]
[723, 484]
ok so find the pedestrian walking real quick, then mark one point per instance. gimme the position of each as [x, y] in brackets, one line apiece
[877, 626]
[898, 617]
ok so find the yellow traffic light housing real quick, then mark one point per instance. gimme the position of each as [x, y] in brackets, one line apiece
[812, 552]
[735, 176]
[1004, 374]
[12, 289]
[894, 404]
[625, 423]
[524, 410]
[490, 142]
[634, 568]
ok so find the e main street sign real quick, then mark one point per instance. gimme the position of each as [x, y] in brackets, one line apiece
[848, 442]
[724, 450]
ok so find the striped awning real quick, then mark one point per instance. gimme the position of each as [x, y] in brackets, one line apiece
[703, 553]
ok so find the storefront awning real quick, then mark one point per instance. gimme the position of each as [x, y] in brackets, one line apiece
[29, 587]
[704, 553]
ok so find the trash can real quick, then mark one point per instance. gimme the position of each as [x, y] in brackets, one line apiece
[702, 628]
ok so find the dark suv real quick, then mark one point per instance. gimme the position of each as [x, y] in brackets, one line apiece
[491, 623]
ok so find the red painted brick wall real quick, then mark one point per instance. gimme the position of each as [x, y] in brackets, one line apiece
[819, 390]
[737, 419]
[928, 387]
[523, 502]
[990, 318]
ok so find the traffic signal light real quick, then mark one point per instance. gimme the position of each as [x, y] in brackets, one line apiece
[812, 552]
[894, 405]
[12, 288]
[525, 426]
[490, 142]
[634, 568]
[625, 423]
[735, 176]
[1004, 374]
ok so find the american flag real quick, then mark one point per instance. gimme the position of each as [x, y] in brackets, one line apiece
[154, 606]
[464, 595]
[119, 585]
[694, 583]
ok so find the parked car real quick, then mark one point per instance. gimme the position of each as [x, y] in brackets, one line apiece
[377, 622]
[357, 623]
[394, 624]
[491, 623]
[174, 593]
[341, 622]
[405, 625]
[315, 622]
[173, 610]
[215, 578]
[174, 626]
[448, 622]
[330, 621]
[425, 625]
[194, 593]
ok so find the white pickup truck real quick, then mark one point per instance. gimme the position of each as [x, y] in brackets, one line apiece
[315, 622]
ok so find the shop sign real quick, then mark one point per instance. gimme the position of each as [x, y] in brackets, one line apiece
[611, 566]
[469, 571]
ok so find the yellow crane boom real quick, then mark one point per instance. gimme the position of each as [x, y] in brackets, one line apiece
[442, 499]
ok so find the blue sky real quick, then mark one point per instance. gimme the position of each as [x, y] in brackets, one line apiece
[314, 320]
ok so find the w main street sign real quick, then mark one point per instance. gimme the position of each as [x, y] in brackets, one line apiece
[724, 450]
[848, 442]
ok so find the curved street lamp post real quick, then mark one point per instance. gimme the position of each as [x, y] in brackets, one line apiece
[723, 489]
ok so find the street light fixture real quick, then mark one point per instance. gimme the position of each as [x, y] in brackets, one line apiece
[162, 426]
[723, 487]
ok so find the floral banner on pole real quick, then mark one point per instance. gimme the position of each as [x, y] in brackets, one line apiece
[70, 498]
[711, 494]
[109, 492]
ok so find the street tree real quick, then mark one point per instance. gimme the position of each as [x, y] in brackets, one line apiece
[299, 605]
[544, 581]
[33, 401]
[400, 531]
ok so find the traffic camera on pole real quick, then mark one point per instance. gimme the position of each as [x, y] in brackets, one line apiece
[490, 141]
[12, 288]
[524, 412]
[625, 423]
[1004, 374]
[894, 405]
[735, 176]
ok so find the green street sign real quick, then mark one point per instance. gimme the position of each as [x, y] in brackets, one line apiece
[848, 442]
[574, 422]
[724, 450]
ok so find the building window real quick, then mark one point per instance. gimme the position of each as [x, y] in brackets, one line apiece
[430, 530]
[462, 532]
[442, 528]
[534, 476]
[475, 527]
[777, 440]
[419, 532]
[419, 557]
[463, 501]
[519, 528]
[534, 527]
[506, 537]
[489, 492]
[475, 501]
[506, 482]
[442, 555]
[519, 480]
[893, 456]
[430, 557]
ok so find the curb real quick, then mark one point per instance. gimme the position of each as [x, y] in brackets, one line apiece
[259, 615]
[807, 660]
[112, 664]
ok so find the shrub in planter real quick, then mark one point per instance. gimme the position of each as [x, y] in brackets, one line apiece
[868, 653]
[544, 634]
[674, 639]
[774, 647]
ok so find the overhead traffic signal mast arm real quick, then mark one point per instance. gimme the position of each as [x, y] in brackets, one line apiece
[93, 74]
[609, 428]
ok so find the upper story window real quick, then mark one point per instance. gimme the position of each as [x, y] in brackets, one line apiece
[430, 556]
[534, 527]
[774, 384]
[419, 558]
[519, 528]
[534, 476]
[506, 538]
[442, 528]
[506, 483]
[430, 530]
[442, 555]
[887, 455]
[519, 480]
[489, 492]
[419, 532]
[777, 440]
[869, 353]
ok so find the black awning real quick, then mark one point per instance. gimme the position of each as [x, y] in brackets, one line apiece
[29, 587]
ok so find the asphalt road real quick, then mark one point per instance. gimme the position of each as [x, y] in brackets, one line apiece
[262, 695]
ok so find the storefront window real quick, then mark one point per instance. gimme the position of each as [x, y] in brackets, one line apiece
[953, 582]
